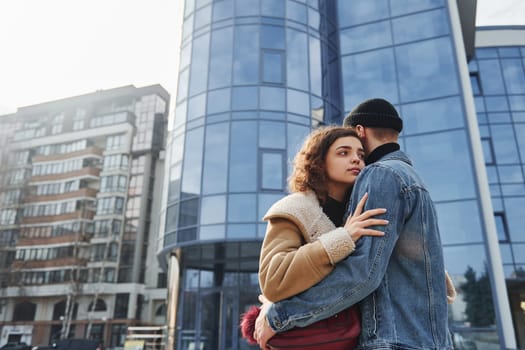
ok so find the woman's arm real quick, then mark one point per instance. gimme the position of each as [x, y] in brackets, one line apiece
[288, 265]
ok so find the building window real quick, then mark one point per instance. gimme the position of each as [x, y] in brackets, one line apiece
[501, 226]
[272, 67]
[488, 150]
[272, 174]
[474, 82]
[162, 280]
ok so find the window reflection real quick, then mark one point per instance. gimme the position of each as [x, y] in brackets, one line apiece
[243, 156]
[504, 145]
[296, 11]
[241, 208]
[222, 10]
[221, 58]
[272, 37]
[213, 210]
[491, 79]
[437, 168]
[297, 59]
[426, 69]
[459, 222]
[199, 62]
[246, 54]
[215, 172]
[247, 7]
[377, 35]
[192, 166]
[434, 115]
[245, 98]
[218, 101]
[409, 6]
[272, 67]
[420, 26]
[369, 75]
[272, 98]
[272, 135]
[272, 177]
[355, 12]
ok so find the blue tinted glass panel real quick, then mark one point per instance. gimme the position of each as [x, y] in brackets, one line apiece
[515, 218]
[265, 202]
[189, 6]
[316, 66]
[296, 12]
[377, 35]
[272, 98]
[197, 106]
[519, 253]
[459, 222]
[213, 210]
[202, 17]
[241, 231]
[496, 104]
[221, 58]
[174, 184]
[246, 55]
[272, 8]
[199, 64]
[506, 253]
[514, 75]
[180, 115]
[486, 143]
[172, 216]
[420, 26]
[459, 258]
[409, 6]
[243, 156]
[298, 102]
[492, 174]
[510, 173]
[313, 19]
[504, 144]
[369, 75]
[272, 135]
[222, 10]
[242, 207]
[187, 27]
[212, 232]
[247, 7]
[435, 115]
[509, 52]
[491, 79]
[244, 98]
[182, 91]
[188, 212]
[495, 118]
[426, 70]
[356, 12]
[272, 37]
[487, 52]
[518, 116]
[520, 138]
[219, 101]
[272, 67]
[192, 166]
[517, 102]
[215, 172]
[297, 59]
[480, 104]
[272, 171]
[185, 55]
[438, 168]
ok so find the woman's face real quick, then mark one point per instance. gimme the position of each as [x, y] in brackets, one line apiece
[344, 161]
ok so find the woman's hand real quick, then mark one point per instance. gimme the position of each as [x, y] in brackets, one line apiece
[357, 223]
[263, 332]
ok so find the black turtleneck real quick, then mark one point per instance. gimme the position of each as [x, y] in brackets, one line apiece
[381, 151]
[335, 211]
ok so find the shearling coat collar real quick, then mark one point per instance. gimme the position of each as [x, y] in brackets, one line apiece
[304, 210]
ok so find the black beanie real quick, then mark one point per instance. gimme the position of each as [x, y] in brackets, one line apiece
[376, 112]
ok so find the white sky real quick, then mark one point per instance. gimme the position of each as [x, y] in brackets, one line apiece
[53, 49]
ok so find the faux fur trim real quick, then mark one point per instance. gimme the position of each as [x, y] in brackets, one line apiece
[303, 209]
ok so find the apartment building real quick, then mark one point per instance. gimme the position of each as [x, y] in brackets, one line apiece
[78, 217]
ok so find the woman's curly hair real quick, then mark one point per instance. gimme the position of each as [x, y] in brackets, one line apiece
[309, 171]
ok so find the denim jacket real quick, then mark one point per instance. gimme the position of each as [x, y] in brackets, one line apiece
[398, 279]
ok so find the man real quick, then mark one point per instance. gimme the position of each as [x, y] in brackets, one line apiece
[398, 279]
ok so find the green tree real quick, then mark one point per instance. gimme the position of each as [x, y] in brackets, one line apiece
[478, 297]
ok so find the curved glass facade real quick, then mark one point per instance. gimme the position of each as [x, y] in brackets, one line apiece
[256, 76]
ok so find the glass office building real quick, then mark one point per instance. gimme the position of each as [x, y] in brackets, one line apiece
[255, 76]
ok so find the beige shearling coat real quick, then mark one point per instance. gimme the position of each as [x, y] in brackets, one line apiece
[301, 246]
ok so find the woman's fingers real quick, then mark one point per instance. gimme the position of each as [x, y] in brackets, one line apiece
[360, 205]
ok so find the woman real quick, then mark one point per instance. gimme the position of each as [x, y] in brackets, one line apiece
[305, 236]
